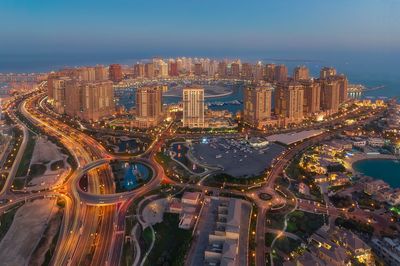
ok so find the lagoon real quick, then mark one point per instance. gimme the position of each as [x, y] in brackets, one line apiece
[387, 170]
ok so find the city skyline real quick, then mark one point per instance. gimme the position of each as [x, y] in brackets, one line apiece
[192, 133]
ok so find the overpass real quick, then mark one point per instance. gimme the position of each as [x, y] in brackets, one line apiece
[106, 199]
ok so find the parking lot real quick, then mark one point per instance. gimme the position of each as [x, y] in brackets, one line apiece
[236, 156]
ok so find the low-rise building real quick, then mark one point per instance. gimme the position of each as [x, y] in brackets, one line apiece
[191, 198]
[341, 145]
[387, 249]
[359, 143]
[371, 187]
[336, 246]
[338, 179]
[394, 197]
[187, 221]
[376, 142]
[318, 179]
[223, 246]
[304, 189]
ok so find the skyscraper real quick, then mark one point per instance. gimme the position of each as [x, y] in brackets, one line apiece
[193, 107]
[149, 70]
[312, 96]
[327, 72]
[343, 88]
[115, 71]
[148, 107]
[101, 73]
[57, 96]
[138, 70]
[222, 69]
[281, 73]
[246, 72]
[289, 101]
[235, 70]
[173, 68]
[90, 101]
[257, 105]
[300, 73]
[87, 73]
[270, 72]
[198, 69]
[258, 72]
[163, 69]
[330, 96]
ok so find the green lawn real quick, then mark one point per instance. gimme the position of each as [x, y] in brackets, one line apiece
[354, 225]
[37, 170]
[304, 224]
[275, 220]
[171, 243]
[18, 183]
[269, 237]
[286, 244]
[148, 237]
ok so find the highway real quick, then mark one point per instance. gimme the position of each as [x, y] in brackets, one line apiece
[93, 229]
[17, 160]
[80, 221]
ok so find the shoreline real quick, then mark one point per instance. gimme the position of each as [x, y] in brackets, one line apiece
[363, 157]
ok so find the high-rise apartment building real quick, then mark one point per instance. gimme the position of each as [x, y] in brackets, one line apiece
[149, 70]
[173, 68]
[301, 73]
[193, 107]
[270, 72]
[148, 107]
[247, 71]
[206, 66]
[90, 101]
[101, 73]
[115, 71]
[138, 70]
[281, 73]
[57, 95]
[163, 69]
[330, 91]
[327, 72]
[343, 88]
[85, 73]
[257, 105]
[198, 69]
[312, 96]
[289, 101]
[213, 68]
[258, 71]
[222, 69]
[235, 70]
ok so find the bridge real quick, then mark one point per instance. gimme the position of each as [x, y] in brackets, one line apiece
[106, 199]
[356, 88]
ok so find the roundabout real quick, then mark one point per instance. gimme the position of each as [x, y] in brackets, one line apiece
[265, 196]
[114, 198]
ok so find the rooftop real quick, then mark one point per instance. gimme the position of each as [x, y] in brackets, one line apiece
[290, 138]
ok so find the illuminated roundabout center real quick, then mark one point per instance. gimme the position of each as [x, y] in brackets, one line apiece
[130, 176]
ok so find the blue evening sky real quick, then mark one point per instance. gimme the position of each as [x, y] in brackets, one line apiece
[189, 27]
